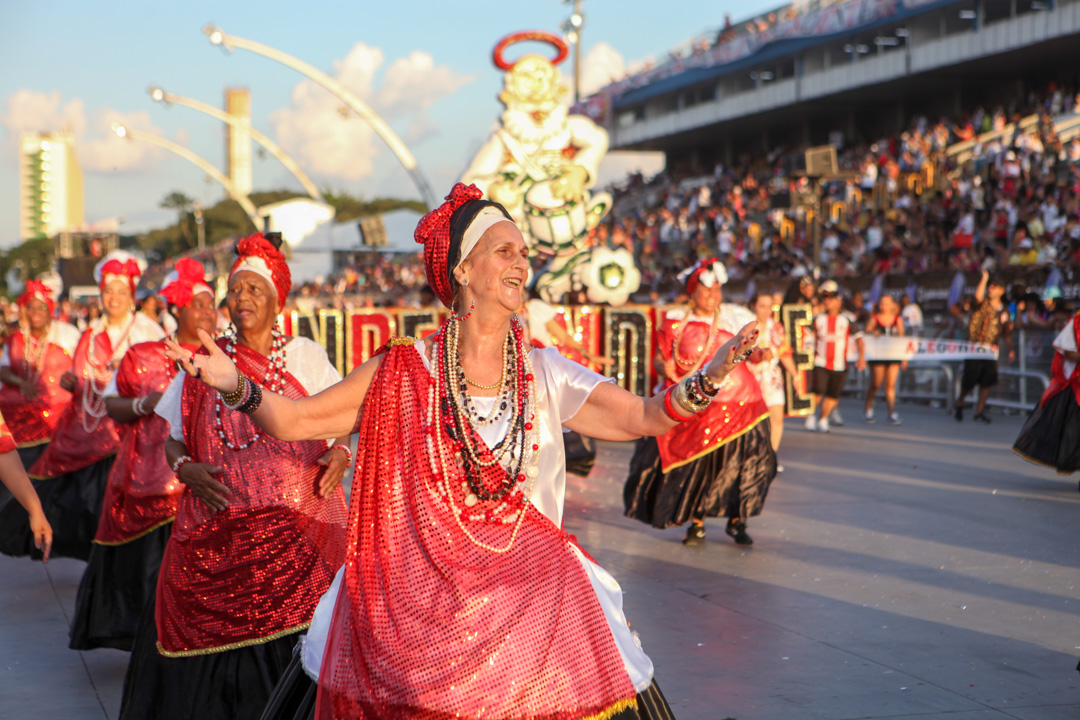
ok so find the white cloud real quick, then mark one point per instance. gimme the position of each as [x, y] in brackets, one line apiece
[332, 142]
[601, 65]
[96, 145]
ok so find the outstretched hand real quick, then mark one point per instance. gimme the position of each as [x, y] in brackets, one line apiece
[733, 352]
[215, 368]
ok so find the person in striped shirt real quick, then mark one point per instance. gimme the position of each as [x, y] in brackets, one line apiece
[833, 333]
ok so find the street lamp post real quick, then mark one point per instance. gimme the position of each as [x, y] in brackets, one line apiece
[272, 147]
[202, 164]
[573, 27]
[219, 37]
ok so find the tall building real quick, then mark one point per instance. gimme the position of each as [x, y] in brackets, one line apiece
[50, 185]
[238, 143]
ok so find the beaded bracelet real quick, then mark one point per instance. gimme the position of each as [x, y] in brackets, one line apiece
[254, 400]
[137, 406]
[348, 452]
[707, 386]
[181, 462]
[669, 409]
[689, 401]
[235, 398]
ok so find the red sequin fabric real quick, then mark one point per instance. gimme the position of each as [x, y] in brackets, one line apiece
[7, 441]
[430, 625]
[33, 421]
[142, 492]
[433, 232]
[737, 408]
[72, 447]
[254, 572]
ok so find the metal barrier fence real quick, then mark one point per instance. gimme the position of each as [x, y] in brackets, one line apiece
[1020, 383]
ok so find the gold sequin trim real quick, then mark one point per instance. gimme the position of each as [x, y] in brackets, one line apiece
[1040, 462]
[144, 533]
[394, 342]
[236, 645]
[613, 710]
[709, 449]
[34, 443]
[50, 477]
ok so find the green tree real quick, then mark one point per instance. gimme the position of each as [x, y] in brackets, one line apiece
[181, 203]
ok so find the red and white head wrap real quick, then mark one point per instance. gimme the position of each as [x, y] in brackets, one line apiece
[185, 282]
[450, 232]
[258, 255]
[707, 272]
[37, 291]
[118, 265]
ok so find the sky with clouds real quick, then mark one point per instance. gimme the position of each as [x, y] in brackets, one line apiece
[424, 66]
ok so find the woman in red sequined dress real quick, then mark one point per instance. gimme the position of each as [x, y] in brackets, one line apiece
[142, 492]
[461, 595]
[721, 463]
[14, 480]
[71, 474]
[260, 526]
[34, 359]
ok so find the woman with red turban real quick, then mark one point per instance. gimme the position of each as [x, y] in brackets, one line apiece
[142, 493]
[74, 468]
[260, 526]
[722, 462]
[461, 596]
[34, 359]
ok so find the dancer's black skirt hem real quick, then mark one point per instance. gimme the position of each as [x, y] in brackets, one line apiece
[294, 699]
[1051, 435]
[72, 505]
[731, 481]
[118, 582]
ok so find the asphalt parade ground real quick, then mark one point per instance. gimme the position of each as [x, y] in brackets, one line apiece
[914, 571]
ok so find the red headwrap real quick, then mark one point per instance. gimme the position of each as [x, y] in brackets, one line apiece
[433, 232]
[257, 247]
[36, 290]
[179, 287]
[710, 265]
[128, 268]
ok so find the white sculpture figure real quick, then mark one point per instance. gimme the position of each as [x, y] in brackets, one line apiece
[540, 163]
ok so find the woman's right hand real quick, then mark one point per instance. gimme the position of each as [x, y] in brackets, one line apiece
[42, 532]
[215, 368]
[199, 479]
[67, 381]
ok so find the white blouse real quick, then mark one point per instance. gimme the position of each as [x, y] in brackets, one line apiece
[562, 388]
[1066, 342]
[305, 360]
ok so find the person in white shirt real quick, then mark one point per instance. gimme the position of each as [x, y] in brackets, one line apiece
[832, 333]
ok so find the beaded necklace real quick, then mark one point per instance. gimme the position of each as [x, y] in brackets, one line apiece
[34, 359]
[274, 382]
[696, 362]
[98, 376]
[520, 445]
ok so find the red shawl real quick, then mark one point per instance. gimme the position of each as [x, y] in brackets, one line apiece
[737, 409]
[72, 447]
[427, 624]
[254, 572]
[1058, 381]
[142, 491]
[7, 442]
[34, 420]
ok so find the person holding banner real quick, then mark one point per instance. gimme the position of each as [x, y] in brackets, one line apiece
[885, 322]
[990, 323]
[1051, 436]
[772, 354]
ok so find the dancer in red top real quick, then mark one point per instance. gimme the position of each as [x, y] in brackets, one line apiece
[74, 468]
[461, 597]
[1051, 435]
[260, 526]
[722, 462]
[142, 493]
[34, 359]
[13, 478]
[885, 322]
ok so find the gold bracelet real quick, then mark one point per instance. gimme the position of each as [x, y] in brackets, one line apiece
[232, 399]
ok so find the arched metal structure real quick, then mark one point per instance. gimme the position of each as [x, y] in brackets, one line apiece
[219, 37]
[167, 98]
[202, 164]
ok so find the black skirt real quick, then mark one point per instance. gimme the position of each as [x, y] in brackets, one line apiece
[230, 685]
[29, 455]
[72, 505]
[118, 582]
[1051, 436]
[294, 699]
[731, 481]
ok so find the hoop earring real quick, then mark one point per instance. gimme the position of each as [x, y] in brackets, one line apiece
[472, 306]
